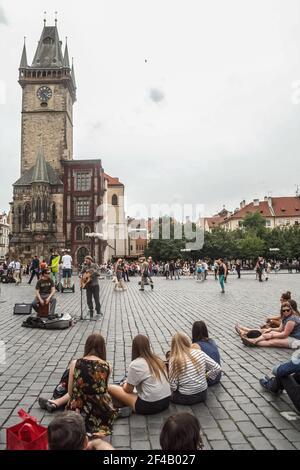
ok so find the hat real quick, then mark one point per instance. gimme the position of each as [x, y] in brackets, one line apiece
[89, 257]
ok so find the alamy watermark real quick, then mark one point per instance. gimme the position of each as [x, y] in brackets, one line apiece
[2, 92]
[2, 353]
[152, 222]
[296, 92]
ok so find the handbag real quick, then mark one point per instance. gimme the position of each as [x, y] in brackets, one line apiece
[27, 435]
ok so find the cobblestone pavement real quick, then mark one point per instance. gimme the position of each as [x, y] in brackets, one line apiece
[238, 414]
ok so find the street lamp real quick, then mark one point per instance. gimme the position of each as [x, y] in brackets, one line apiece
[93, 236]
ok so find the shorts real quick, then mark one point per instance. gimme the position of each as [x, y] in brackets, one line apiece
[294, 343]
[67, 273]
[143, 407]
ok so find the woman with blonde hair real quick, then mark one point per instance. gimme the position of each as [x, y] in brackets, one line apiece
[146, 373]
[189, 369]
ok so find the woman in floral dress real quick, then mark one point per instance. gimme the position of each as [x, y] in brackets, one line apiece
[87, 388]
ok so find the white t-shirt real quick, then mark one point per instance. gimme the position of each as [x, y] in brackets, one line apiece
[148, 387]
[67, 262]
[17, 266]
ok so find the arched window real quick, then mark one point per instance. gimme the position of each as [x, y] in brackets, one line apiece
[81, 254]
[20, 217]
[86, 230]
[53, 213]
[27, 216]
[114, 200]
[79, 233]
[45, 209]
[38, 210]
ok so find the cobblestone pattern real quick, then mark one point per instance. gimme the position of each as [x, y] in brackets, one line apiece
[238, 414]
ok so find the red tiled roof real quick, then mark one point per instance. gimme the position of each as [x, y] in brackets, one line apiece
[286, 206]
[214, 221]
[112, 181]
[263, 208]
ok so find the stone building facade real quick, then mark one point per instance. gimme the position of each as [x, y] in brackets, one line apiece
[55, 197]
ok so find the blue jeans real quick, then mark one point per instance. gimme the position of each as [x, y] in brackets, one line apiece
[287, 377]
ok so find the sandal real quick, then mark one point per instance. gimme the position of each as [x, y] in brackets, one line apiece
[238, 330]
[247, 342]
[50, 406]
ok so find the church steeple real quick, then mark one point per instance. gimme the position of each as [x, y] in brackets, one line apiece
[24, 63]
[73, 75]
[40, 173]
[48, 53]
[66, 62]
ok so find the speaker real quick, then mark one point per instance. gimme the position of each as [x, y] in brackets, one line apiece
[22, 309]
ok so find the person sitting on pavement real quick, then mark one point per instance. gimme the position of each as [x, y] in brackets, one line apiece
[286, 336]
[146, 373]
[181, 432]
[189, 369]
[286, 377]
[254, 333]
[201, 339]
[67, 432]
[88, 389]
[274, 322]
[45, 292]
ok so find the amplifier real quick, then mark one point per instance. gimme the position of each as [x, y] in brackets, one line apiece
[22, 309]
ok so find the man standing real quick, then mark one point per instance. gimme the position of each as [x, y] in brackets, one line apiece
[17, 272]
[67, 270]
[54, 265]
[145, 275]
[238, 267]
[45, 291]
[92, 287]
[34, 268]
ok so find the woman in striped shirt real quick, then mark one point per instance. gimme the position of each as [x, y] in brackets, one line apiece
[189, 369]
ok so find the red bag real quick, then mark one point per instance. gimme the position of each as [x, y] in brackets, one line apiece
[27, 435]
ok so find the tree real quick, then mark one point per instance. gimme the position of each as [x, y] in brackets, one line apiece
[255, 223]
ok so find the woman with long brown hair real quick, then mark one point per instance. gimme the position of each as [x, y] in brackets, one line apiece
[146, 373]
[87, 383]
[189, 369]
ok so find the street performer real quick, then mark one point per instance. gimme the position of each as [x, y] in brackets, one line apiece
[44, 294]
[89, 280]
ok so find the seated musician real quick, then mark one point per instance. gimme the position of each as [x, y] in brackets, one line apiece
[89, 280]
[45, 291]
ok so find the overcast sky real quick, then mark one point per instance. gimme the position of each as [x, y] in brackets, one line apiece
[186, 101]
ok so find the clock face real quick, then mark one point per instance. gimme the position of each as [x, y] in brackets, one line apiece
[44, 93]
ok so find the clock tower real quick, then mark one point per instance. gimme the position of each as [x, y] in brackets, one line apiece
[49, 92]
[48, 96]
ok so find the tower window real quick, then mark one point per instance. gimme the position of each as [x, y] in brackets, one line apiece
[83, 181]
[83, 207]
[79, 233]
[114, 200]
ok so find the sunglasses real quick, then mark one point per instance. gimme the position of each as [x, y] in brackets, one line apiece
[286, 309]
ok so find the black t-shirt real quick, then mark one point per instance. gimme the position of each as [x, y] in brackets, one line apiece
[44, 286]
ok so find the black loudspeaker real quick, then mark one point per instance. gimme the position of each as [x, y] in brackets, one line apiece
[22, 309]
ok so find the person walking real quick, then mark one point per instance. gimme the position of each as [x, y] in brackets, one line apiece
[34, 268]
[222, 271]
[145, 276]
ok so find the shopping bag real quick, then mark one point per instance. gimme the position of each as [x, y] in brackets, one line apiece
[27, 435]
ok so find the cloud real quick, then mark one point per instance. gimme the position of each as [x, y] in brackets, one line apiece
[3, 19]
[156, 95]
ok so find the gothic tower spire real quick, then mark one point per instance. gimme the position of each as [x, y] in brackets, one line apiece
[24, 62]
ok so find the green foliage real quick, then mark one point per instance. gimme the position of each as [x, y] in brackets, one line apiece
[248, 242]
